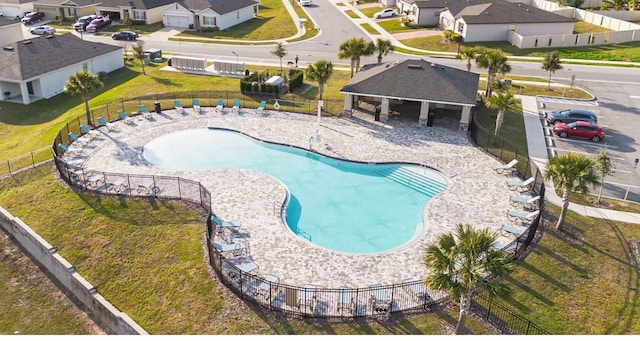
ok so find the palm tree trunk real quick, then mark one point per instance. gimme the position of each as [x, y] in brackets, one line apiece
[142, 63]
[499, 121]
[566, 195]
[379, 59]
[468, 65]
[357, 64]
[487, 91]
[353, 63]
[281, 66]
[320, 90]
[601, 187]
[87, 111]
[465, 306]
[549, 83]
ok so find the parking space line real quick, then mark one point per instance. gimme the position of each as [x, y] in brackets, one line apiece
[576, 151]
[608, 146]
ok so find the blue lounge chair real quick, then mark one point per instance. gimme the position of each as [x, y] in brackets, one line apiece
[307, 299]
[508, 167]
[523, 201]
[513, 230]
[85, 130]
[83, 140]
[70, 150]
[196, 105]
[345, 301]
[178, 106]
[220, 106]
[144, 111]
[268, 285]
[263, 105]
[221, 224]
[522, 216]
[104, 123]
[504, 247]
[236, 105]
[520, 185]
[235, 248]
[124, 117]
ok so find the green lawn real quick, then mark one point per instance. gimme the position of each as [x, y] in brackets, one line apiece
[369, 28]
[370, 11]
[273, 22]
[351, 14]
[585, 27]
[395, 26]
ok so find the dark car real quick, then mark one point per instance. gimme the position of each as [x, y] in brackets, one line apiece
[82, 22]
[579, 129]
[125, 35]
[32, 17]
[571, 115]
[98, 24]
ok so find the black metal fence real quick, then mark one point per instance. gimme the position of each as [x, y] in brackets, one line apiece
[26, 161]
[503, 318]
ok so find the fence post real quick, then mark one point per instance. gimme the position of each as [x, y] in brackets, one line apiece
[526, 332]
[489, 309]
[33, 161]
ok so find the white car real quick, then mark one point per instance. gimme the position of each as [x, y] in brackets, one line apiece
[387, 12]
[43, 29]
[305, 2]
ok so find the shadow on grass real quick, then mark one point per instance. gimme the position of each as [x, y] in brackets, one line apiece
[239, 31]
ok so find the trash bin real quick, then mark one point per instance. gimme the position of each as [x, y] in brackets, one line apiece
[169, 62]
[247, 72]
[430, 118]
[157, 107]
[377, 114]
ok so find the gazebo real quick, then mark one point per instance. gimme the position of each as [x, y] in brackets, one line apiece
[414, 80]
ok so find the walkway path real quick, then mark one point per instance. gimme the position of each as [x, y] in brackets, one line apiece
[536, 142]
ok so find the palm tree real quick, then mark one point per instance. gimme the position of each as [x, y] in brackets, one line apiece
[570, 172]
[353, 49]
[603, 166]
[468, 54]
[82, 83]
[138, 49]
[279, 51]
[382, 47]
[496, 63]
[320, 71]
[501, 101]
[464, 265]
[552, 64]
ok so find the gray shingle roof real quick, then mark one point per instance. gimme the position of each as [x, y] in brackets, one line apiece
[508, 12]
[415, 79]
[45, 54]
[218, 6]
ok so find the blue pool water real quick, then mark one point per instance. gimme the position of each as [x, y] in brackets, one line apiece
[343, 206]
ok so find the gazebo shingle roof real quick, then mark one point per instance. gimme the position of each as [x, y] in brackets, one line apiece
[416, 80]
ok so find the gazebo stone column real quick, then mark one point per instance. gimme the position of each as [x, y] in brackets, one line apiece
[348, 104]
[25, 93]
[424, 113]
[384, 113]
[464, 118]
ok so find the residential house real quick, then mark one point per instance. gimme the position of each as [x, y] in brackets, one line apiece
[10, 31]
[39, 67]
[15, 8]
[220, 14]
[67, 9]
[147, 11]
[394, 84]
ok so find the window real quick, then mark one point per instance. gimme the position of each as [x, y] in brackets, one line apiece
[139, 15]
[209, 21]
[460, 27]
[238, 15]
[85, 67]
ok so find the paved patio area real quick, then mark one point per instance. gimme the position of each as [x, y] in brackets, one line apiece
[476, 194]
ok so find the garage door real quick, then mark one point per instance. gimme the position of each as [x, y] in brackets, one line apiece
[177, 21]
[49, 12]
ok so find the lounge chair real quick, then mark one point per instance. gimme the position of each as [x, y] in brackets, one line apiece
[81, 140]
[508, 167]
[236, 105]
[345, 301]
[85, 130]
[196, 105]
[267, 288]
[220, 106]
[221, 224]
[307, 299]
[516, 231]
[126, 119]
[263, 105]
[417, 291]
[522, 216]
[504, 247]
[523, 201]
[104, 123]
[238, 266]
[520, 184]
[178, 106]
[144, 111]
[234, 248]
[70, 150]
[380, 302]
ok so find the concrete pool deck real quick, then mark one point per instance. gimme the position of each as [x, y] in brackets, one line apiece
[476, 194]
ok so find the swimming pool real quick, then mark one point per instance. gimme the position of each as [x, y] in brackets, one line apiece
[343, 206]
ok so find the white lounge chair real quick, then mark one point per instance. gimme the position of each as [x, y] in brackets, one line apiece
[508, 167]
[523, 201]
[519, 185]
[522, 216]
[380, 302]
[220, 106]
[517, 231]
[178, 106]
[307, 299]
[345, 301]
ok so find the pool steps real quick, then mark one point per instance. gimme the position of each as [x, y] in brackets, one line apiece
[414, 180]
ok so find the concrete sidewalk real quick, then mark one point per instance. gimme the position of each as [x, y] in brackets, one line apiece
[537, 146]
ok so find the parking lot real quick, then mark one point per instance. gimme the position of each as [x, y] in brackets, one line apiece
[620, 127]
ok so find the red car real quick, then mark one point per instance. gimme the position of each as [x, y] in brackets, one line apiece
[579, 129]
[98, 24]
[32, 17]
